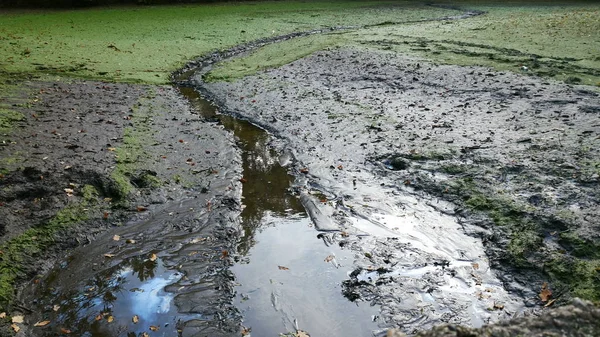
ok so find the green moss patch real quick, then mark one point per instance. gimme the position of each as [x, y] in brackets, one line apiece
[15, 253]
[544, 38]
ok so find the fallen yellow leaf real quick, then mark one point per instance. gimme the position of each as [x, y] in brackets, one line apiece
[17, 319]
[15, 327]
[2, 314]
[153, 257]
[154, 328]
[109, 255]
[329, 258]
[65, 331]
[42, 323]
[110, 319]
[135, 319]
[301, 333]
[116, 238]
[546, 293]
[55, 307]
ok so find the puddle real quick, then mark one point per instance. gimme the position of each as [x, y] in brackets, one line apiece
[125, 300]
[288, 277]
[291, 280]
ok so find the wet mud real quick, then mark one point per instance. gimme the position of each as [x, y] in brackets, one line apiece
[170, 256]
[372, 195]
[408, 158]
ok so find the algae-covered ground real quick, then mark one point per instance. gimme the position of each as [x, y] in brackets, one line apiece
[93, 141]
[146, 44]
[538, 38]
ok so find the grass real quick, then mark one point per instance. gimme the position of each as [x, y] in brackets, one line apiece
[145, 44]
[549, 38]
[8, 116]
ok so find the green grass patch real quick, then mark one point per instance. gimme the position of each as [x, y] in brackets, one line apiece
[133, 154]
[581, 277]
[273, 56]
[31, 243]
[145, 44]
[550, 38]
[8, 116]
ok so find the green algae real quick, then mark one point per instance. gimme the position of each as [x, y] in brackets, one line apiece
[558, 41]
[133, 154]
[580, 277]
[8, 116]
[147, 44]
[273, 56]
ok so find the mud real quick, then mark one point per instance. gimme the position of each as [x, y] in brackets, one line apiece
[169, 195]
[383, 141]
[425, 212]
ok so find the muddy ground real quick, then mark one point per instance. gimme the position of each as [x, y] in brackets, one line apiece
[515, 155]
[131, 160]
[464, 195]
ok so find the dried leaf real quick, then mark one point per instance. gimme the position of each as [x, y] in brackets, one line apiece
[55, 307]
[17, 319]
[129, 241]
[15, 327]
[154, 328]
[550, 303]
[110, 318]
[301, 333]
[475, 265]
[42, 323]
[329, 258]
[141, 208]
[109, 255]
[135, 319]
[546, 293]
[99, 317]
[304, 170]
[145, 334]
[246, 331]
[116, 238]
[2, 314]
[498, 306]
[283, 268]
[153, 257]
[65, 331]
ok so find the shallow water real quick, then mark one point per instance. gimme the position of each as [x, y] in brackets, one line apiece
[279, 233]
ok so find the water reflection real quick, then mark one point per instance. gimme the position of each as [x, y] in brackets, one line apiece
[125, 299]
[266, 183]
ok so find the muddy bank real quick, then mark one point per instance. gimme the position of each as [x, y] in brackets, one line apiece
[375, 135]
[133, 161]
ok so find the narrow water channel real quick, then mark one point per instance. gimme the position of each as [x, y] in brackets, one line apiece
[288, 278]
